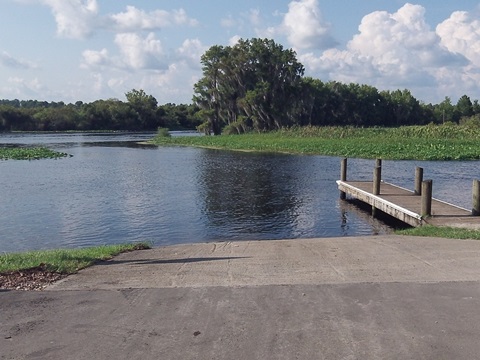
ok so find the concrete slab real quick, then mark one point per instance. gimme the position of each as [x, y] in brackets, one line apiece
[287, 262]
[348, 298]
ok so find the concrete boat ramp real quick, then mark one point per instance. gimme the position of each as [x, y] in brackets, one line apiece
[381, 297]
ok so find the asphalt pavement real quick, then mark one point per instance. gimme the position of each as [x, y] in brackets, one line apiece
[379, 297]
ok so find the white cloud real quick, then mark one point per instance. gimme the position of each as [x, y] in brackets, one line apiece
[172, 85]
[141, 53]
[79, 19]
[304, 26]
[134, 19]
[460, 33]
[92, 58]
[246, 22]
[390, 51]
[26, 88]
[9, 61]
[75, 19]
[191, 51]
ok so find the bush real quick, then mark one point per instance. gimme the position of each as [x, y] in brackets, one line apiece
[471, 121]
[163, 132]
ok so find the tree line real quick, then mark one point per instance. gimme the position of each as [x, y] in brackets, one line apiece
[258, 85]
[255, 85]
[139, 113]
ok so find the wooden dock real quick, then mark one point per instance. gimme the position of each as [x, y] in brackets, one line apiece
[405, 205]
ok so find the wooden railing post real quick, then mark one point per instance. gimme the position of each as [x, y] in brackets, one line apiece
[343, 176]
[476, 198]
[427, 198]
[418, 180]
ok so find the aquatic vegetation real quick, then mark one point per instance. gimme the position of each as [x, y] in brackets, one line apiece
[430, 142]
[29, 153]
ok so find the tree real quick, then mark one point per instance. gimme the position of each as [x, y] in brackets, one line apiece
[464, 106]
[313, 103]
[404, 108]
[14, 119]
[210, 91]
[445, 111]
[56, 119]
[255, 81]
[146, 108]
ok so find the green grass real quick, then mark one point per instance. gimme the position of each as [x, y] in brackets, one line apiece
[443, 232]
[27, 153]
[64, 261]
[431, 142]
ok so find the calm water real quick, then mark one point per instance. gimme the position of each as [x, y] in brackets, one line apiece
[114, 191]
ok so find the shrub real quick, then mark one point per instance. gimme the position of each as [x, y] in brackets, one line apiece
[163, 132]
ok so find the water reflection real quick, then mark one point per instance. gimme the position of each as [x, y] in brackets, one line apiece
[251, 193]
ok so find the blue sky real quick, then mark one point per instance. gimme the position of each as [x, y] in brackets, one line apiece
[59, 50]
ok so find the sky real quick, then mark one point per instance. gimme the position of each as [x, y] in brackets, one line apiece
[85, 50]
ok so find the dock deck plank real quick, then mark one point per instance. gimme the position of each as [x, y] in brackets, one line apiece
[396, 198]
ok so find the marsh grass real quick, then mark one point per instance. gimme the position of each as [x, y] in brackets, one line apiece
[29, 153]
[63, 261]
[430, 142]
[443, 232]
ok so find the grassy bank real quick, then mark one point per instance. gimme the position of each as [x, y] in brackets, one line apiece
[63, 261]
[35, 153]
[443, 232]
[431, 142]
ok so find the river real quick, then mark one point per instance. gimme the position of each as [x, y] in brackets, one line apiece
[113, 190]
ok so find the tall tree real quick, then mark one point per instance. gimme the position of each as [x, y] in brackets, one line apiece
[145, 106]
[210, 91]
[256, 81]
[404, 107]
[445, 111]
[464, 106]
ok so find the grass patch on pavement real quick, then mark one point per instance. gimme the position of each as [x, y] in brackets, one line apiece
[65, 261]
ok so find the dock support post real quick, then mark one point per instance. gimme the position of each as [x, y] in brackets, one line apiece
[343, 176]
[377, 178]
[418, 180]
[476, 198]
[427, 198]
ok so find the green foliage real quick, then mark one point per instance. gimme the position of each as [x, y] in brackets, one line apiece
[464, 106]
[443, 232]
[256, 78]
[411, 142]
[471, 121]
[64, 261]
[241, 126]
[145, 107]
[163, 132]
[139, 113]
[21, 153]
